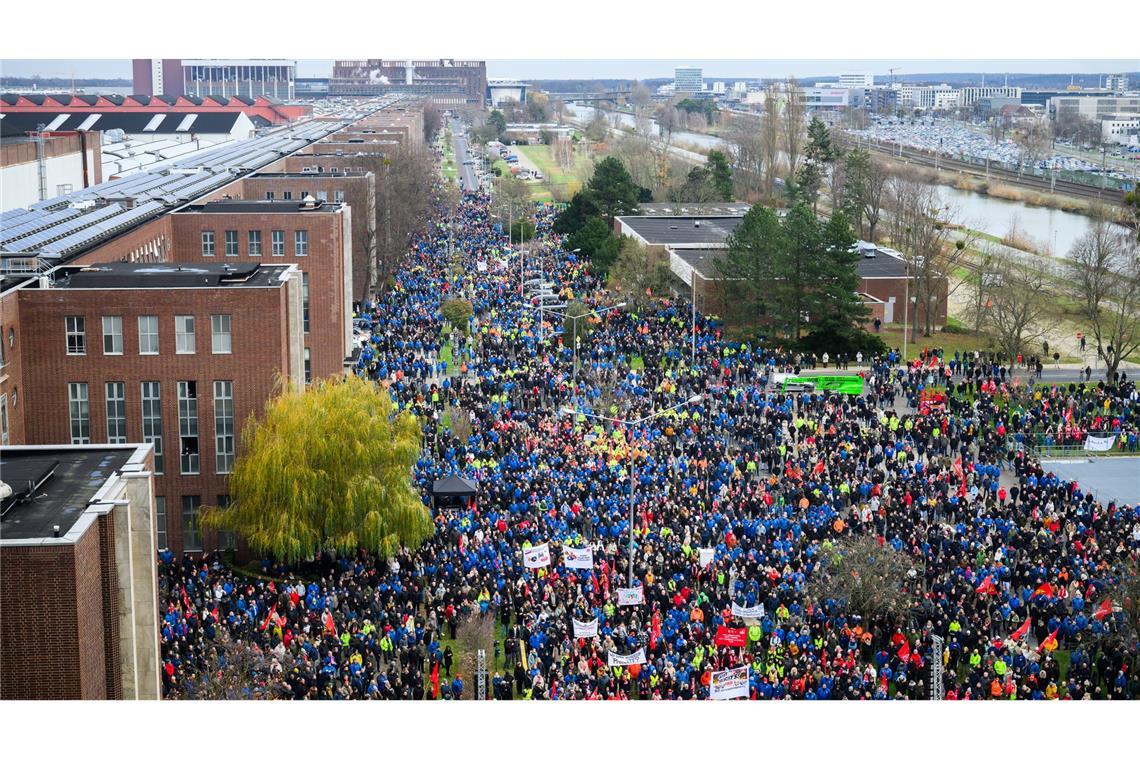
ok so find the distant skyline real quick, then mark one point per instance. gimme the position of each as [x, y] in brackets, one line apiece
[638, 68]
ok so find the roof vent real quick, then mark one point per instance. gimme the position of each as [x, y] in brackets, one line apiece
[696, 222]
[309, 203]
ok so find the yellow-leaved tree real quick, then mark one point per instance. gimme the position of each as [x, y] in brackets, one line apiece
[329, 468]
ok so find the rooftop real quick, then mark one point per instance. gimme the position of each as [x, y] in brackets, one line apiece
[683, 230]
[128, 275]
[54, 486]
[693, 209]
[262, 207]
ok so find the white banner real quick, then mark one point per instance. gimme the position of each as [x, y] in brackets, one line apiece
[537, 556]
[637, 658]
[748, 612]
[1100, 444]
[706, 556]
[729, 684]
[586, 630]
[578, 559]
[630, 596]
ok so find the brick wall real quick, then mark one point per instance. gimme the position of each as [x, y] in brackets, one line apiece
[11, 377]
[324, 265]
[260, 352]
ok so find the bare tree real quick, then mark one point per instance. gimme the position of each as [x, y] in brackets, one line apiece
[746, 154]
[770, 133]
[475, 632]
[1104, 277]
[873, 581]
[1035, 139]
[793, 126]
[979, 281]
[511, 200]
[433, 120]
[638, 276]
[1021, 309]
[235, 670]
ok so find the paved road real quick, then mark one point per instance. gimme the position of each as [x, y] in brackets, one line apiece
[467, 180]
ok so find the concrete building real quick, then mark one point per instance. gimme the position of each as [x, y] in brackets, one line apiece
[44, 165]
[446, 81]
[500, 91]
[969, 96]
[1116, 83]
[688, 79]
[1120, 131]
[826, 98]
[935, 98]
[176, 356]
[78, 583]
[857, 80]
[692, 244]
[1092, 107]
[216, 76]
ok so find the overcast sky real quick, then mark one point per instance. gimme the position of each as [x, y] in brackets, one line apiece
[635, 69]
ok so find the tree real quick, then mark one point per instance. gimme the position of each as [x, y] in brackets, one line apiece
[750, 263]
[865, 180]
[1035, 140]
[1021, 313]
[1131, 203]
[433, 120]
[595, 241]
[457, 311]
[698, 187]
[234, 670]
[748, 159]
[582, 207]
[721, 175]
[1104, 278]
[818, 155]
[538, 108]
[511, 199]
[613, 189]
[578, 325]
[873, 581]
[793, 125]
[327, 469]
[403, 202]
[638, 276]
[498, 123]
[598, 128]
[835, 300]
[770, 136]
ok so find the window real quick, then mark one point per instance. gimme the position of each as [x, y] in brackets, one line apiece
[287, 195]
[116, 412]
[231, 243]
[3, 420]
[207, 242]
[308, 367]
[152, 420]
[160, 521]
[322, 195]
[62, 189]
[268, 195]
[191, 538]
[227, 539]
[338, 196]
[255, 242]
[184, 335]
[148, 335]
[3, 351]
[220, 338]
[223, 426]
[76, 335]
[278, 242]
[79, 412]
[112, 335]
[301, 242]
[188, 426]
[305, 301]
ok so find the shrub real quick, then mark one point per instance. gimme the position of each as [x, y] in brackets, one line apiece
[457, 311]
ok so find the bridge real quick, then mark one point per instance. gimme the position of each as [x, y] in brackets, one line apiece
[613, 95]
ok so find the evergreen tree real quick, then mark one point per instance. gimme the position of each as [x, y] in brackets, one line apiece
[613, 189]
[750, 263]
[581, 208]
[595, 241]
[721, 175]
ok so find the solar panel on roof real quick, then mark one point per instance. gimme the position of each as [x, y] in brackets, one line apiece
[101, 230]
[58, 231]
[37, 224]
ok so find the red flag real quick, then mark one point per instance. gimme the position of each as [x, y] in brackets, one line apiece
[1104, 610]
[731, 637]
[655, 631]
[270, 617]
[987, 586]
[186, 602]
[1050, 639]
[819, 468]
[1045, 590]
[435, 681]
[1022, 630]
[904, 651]
[958, 470]
[330, 624]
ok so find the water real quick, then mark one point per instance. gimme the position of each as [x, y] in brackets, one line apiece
[1048, 229]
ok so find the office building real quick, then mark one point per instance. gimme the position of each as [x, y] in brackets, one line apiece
[78, 583]
[969, 96]
[688, 79]
[446, 81]
[856, 80]
[1116, 83]
[1092, 107]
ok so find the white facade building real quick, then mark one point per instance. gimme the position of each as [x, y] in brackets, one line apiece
[688, 79]
[856, 80]
[971, 95]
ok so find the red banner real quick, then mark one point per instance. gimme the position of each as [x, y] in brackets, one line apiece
[731, 637]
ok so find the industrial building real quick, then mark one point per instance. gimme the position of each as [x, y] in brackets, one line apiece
[36, 167]
[446, 81]
[250, 77]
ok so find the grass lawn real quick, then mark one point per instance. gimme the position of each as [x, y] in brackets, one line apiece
[498, 665]
[563, 182]
[445, 356]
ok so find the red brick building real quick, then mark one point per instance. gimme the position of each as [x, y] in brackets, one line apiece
[174, 355]
[78, 585]
[317, 237]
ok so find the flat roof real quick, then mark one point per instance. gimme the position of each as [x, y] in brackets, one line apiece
[692, 209]
[261, 207]
[129, 275]
[683, 230]
[350, 173]
[1107, 478]
[66, 479]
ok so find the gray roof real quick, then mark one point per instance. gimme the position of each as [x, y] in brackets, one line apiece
[681, 231]
[66, 481]
[122, 274]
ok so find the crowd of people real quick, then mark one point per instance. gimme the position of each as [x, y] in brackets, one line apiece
[729, 496]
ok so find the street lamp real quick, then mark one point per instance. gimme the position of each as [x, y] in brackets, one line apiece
[595, 313]
[631, 425]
